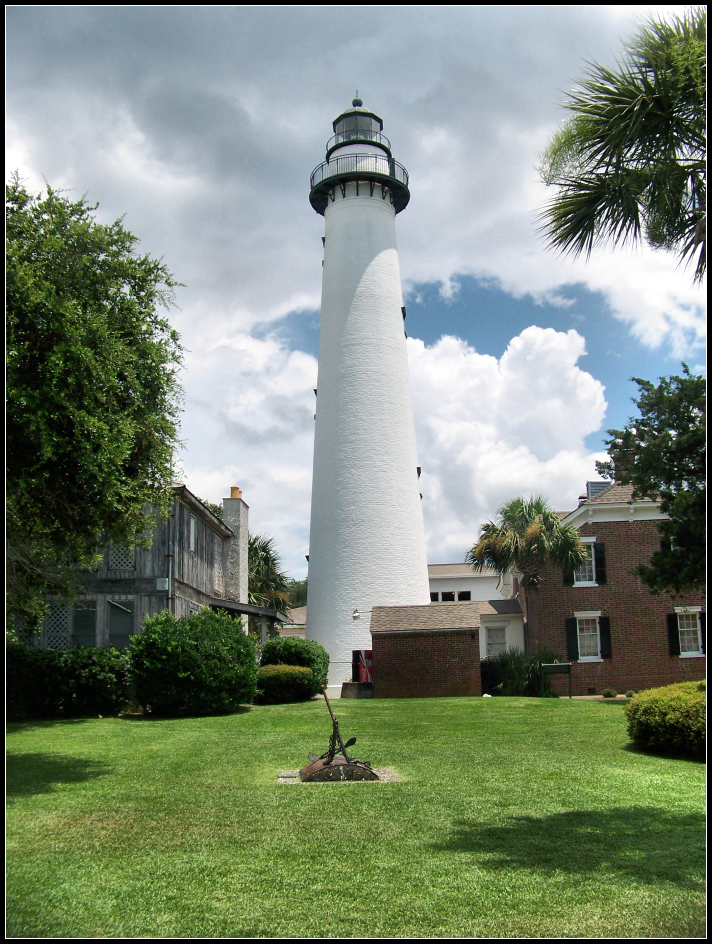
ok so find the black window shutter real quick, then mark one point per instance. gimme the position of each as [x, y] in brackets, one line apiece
[604, 629]
[703, 627]
[599, 560]
[673, 635]
[572, 650]
[568, 578]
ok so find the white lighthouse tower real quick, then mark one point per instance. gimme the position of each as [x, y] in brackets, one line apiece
[367, 543]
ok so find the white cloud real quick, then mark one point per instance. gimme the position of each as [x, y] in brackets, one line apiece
[490, 430]
[487, 430]
[202, 124]
[249, 422]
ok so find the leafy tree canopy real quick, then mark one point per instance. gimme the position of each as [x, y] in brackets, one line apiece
[92, 389]
[527, 532]
[662, 454]
[631, 159]
[297, 593]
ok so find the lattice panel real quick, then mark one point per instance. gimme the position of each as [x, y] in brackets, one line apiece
[121, 558]
[57, 626]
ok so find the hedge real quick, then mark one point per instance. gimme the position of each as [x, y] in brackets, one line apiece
[46, 683]
[201, 664]
[669, 719]
[280, 684]
[305, 652]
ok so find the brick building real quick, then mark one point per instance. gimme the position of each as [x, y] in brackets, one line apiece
[603, 619]
[426, 651]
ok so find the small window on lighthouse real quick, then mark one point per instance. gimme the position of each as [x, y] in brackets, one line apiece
[354, 126]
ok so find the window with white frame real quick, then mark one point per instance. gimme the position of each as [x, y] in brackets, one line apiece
[496, 640]
[192, 533]
[688, 627]
[589, 640]
[585, 575]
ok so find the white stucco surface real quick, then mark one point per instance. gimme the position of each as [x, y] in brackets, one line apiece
[367, 543]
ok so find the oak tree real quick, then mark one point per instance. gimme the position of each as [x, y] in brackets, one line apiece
[93, 395]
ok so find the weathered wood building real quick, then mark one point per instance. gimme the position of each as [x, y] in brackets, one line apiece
[194, 560]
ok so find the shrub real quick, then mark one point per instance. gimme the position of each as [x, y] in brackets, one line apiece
[630, 693]
[609, 693]
[491, 674]
[669, 719]
[305, 652]
[534, 664]
[97, 680]
[201, 664]
[45, 683]
[279, 684]
[514, 673]
[35, 682]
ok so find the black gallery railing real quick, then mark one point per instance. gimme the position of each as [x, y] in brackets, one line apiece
[359, 164]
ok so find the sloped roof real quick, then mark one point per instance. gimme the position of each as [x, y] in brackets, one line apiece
[298, 615]
[438, 616]
[459, 570]
[182, 493]
[615, 493]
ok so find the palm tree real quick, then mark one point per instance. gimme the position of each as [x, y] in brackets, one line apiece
[526, 534]
[631, 160]
[267, 583]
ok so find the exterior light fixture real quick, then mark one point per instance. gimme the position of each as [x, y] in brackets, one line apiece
[356, 615]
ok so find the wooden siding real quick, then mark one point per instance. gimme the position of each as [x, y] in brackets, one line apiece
[201, 568]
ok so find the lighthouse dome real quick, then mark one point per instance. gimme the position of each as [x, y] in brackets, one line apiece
[358, 126]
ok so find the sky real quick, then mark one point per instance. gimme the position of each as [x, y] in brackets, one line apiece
[200, 127]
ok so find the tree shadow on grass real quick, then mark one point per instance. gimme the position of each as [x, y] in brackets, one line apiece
[648, 845]
[32, 773]
[149, 716]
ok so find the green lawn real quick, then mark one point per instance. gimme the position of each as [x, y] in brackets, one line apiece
[516, 817]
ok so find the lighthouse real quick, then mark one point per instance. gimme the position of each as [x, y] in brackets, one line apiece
[367, 541]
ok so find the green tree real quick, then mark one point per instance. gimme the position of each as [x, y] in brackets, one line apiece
[297, 593]
[662, 453]
[630, 162]
[267, 582]
[526, 534]
[92, 392]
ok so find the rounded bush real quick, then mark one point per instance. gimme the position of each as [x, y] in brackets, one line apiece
[97, 680]
[305, 652]
[669, 719]
[280, 684]
[201, 664]
[609, 693]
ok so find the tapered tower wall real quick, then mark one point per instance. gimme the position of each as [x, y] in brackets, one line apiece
[367, 544]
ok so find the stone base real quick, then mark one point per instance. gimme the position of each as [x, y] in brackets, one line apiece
[357, 690]
[383, 775]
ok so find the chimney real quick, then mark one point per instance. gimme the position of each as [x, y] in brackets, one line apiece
[235, 516]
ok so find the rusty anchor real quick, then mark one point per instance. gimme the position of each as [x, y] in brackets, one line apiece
[335, 763]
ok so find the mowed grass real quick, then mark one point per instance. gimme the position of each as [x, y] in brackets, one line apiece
[515, 817]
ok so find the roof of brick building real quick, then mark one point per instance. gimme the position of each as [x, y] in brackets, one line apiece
[613, 494]
[439, 616]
